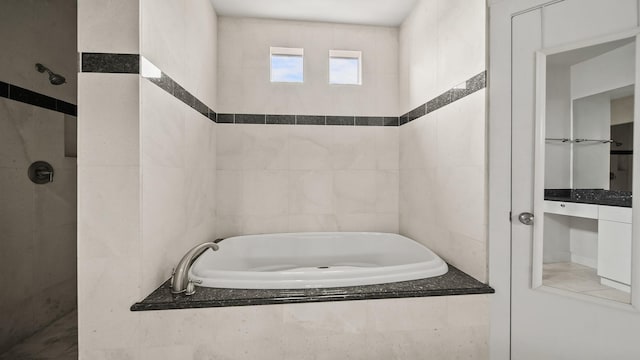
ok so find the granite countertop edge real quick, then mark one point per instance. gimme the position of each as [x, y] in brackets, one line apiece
[455, 282]
[619, 198]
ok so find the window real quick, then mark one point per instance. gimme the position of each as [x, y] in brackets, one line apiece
[287, 65]
[345, 67]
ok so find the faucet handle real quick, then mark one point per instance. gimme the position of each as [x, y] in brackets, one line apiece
[173, 275]
[191, 287]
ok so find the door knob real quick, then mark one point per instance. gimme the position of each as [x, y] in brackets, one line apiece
[526, 218]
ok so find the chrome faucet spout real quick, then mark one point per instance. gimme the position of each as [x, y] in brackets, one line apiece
[180, 277]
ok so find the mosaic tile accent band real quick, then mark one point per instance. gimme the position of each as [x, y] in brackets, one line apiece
[110, 63]
[478, 82]
[130, 64]
[17, 93]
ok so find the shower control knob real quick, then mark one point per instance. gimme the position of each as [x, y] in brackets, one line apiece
[526, 218]
[40, 172]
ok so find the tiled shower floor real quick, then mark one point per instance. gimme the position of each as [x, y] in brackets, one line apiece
[57, 341]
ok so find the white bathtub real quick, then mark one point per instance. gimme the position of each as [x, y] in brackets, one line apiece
[314, 260]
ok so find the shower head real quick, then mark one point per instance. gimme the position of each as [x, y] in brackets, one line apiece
[54, 79]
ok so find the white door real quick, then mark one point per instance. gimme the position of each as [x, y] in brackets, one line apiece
[548, 323]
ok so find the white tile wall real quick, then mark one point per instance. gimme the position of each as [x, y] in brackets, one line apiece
[261, 178]
[147, 179]
[435, 327]
[177, 30]
[110, 133]
[443, 183]
[244, 84]
[109, 26]
[305, 177]
[442, 44]
[27, 31]
[37, 222]
[443, 154]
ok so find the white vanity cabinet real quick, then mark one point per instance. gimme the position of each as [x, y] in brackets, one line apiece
[613, 235]
[614, 245]
[588, 211]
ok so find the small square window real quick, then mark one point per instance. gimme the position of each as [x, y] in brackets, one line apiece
[345, 67]
[287, 65]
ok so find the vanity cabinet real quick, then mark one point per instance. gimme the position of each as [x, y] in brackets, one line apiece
[588, 211]
[613, 238]
[614, 245]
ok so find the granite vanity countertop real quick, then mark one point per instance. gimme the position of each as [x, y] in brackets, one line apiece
[454, 282]
[590, 196]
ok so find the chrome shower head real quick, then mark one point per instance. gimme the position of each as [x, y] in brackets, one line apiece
[54, 79]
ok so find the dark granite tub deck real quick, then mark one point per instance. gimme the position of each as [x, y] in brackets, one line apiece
[454, 282]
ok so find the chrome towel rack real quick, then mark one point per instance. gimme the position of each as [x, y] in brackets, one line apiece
[602, 141]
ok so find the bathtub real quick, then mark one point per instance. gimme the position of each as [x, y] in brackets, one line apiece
[314, 260]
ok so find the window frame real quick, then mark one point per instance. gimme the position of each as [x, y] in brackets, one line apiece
[285, 51]
[346, 54]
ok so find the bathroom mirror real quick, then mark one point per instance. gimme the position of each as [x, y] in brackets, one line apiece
[603, 140]
[584, 170]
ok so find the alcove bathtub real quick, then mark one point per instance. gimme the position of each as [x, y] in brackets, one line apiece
[314, 260]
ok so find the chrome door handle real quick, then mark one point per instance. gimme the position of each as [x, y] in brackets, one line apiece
[526, 218]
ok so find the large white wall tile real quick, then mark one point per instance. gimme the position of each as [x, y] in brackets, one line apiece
[442, 200]
[229, 147]
[387, 148]
[229, 192]
[461, 41]
[310, 147]
[200, 141]
[265, 192]
[383, 321]
[327, 318]
[338, 178]
[265, 147]
[162, 127]
[108, 114]
[419, 143]
[354, 191]
[243, 68]
[29, 134]
[311, 192]
[310, 223]
[442, 43]
[353, 148]
[108, 211]
[461, 133]
[107, 287]
[109, 27]
[188, 29]
[164, 223]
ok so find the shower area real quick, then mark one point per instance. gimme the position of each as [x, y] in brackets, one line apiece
[38, 187]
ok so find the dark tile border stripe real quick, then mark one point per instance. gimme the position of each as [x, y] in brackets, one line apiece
[251, 119]
[4, 89]
[17, 93]
[111, 63]
[341, 120]
[130, 64]
[281, 119]
[450, 96]
[311, 120]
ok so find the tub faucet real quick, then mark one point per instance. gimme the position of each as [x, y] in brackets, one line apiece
[180, 282]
